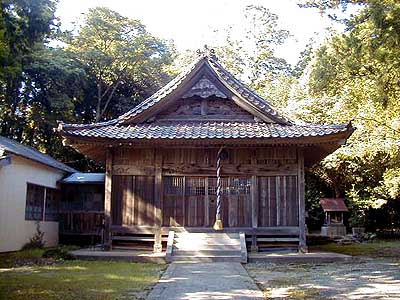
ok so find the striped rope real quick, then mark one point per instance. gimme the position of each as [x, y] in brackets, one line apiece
[218, 213]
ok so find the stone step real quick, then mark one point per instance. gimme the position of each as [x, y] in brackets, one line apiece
[207, 258]
[201, 243]
[207, 235]
[217, 238]
[273, 240]
[206, 253]
[206, 247]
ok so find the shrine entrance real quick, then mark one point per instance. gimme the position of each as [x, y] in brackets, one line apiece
[190, 201]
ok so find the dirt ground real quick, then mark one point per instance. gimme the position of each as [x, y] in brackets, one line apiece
[361, 278]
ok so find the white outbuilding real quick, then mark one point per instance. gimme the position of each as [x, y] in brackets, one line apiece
[29, 194]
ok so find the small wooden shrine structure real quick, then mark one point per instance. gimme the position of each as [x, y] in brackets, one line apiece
[81, 209]
[161, 158]
[334, 209]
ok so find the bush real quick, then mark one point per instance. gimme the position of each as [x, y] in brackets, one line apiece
[59, 253]
[36, 241]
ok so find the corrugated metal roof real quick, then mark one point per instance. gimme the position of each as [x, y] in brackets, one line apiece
[79, 178]
[206, 130]
[10, 146]
[333, 204]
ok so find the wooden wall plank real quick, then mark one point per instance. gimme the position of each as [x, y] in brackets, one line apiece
[272, 172]
[107, 198]
[301, 202]
[255, 201]
[278, 201]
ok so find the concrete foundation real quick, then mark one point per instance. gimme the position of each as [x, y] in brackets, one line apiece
[333, 230]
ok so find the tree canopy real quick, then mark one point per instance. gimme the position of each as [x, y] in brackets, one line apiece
[355, 75]
[103, 69]
[120, 55]
[110, 63]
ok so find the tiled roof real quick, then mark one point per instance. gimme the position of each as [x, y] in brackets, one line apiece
[80, 178]
[333, 204]
[204, 130]
[10, 146]
[130, 126]
[227, 78]
[246, 92]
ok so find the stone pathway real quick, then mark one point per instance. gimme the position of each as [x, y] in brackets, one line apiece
[205, 281]
[372, 279]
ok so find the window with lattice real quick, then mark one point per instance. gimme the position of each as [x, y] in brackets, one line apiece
[41, 203]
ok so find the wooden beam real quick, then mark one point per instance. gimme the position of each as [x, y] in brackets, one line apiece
[278, 200]
[207, 204]
[107, 199]
[254, 201]
[158, 199]
[287, 230]
[302, 211]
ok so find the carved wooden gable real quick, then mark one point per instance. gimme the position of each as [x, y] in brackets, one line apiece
[205, 100]
[204, 88]
[212, 108]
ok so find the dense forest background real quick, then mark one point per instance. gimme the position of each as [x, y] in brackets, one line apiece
[110, 63]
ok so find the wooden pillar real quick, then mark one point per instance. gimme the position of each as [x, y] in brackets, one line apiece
[206, 204]
[158, 195]
[302, 211]
[254, 201]
[254, 204]
[107, 200]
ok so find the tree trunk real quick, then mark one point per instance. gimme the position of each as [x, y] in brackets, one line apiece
[99, 97]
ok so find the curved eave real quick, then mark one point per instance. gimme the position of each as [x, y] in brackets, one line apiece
[316, 147]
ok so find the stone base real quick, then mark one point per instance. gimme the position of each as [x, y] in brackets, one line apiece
[333, 230]
[157, 248]
[358, 230]
[254, 249]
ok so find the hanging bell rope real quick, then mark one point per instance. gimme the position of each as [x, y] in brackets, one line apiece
[218, 220]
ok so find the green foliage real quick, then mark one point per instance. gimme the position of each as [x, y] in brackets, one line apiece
[251, 55]
[18, 258]
[121, 56]
[315, 189]
[111, 56]
[59, 253]
[36, 241]
[355, 75]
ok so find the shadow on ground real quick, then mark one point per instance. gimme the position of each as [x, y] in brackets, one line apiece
[358, 279]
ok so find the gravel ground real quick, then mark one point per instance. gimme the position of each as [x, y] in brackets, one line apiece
[357, 279]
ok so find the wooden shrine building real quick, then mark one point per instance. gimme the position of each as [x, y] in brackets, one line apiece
[161, 158]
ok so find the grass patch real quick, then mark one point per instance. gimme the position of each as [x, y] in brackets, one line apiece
[372, 249]
[29, 257]
[9, 260]
[83, 280]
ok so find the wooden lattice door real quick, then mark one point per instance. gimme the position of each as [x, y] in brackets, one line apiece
[236, 201]
[191, 201]
[173, 201]
[184, 201]
[195, 201]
